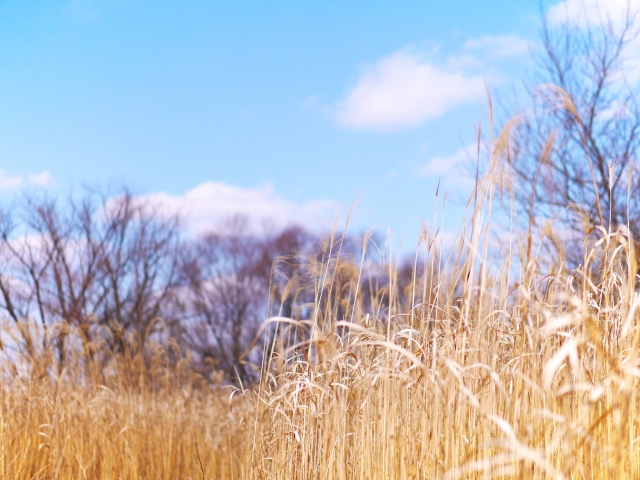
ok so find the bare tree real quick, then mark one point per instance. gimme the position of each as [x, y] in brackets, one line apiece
[235, 280]
[116, 264]
[141, 265]
[578, 163]
[94, 260]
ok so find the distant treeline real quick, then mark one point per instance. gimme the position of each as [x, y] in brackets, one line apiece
[117, 264]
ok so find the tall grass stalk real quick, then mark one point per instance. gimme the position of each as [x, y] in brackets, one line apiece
[492, 362]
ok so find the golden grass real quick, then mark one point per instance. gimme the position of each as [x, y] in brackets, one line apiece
[533, 381]
[132, 423]
[493, 362]
[76, 434]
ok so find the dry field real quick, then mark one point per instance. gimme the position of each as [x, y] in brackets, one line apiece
[496, 361]
[130, 422]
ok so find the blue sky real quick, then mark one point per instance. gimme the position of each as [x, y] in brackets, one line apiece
[278, 109]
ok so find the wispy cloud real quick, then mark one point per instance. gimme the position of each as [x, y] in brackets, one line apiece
[444, 165]
[211, 203]
[83, 9]
[8, 182]
[451, 169]
[589, 12]
[498, 46]
[42, 179]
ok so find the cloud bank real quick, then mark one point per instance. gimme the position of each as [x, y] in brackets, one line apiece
[211, 203]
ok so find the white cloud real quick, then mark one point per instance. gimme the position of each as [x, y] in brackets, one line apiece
[406, 88]
[589, 12]
[403, 90]
[446, 165]
[451, 169]
[42, 179]
[211, 203]
[8, 182]
[498, 46]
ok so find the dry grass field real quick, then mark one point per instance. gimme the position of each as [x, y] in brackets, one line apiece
[131, 423]
[496, 361]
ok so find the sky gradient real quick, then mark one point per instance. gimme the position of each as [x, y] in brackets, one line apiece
[276, 109]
